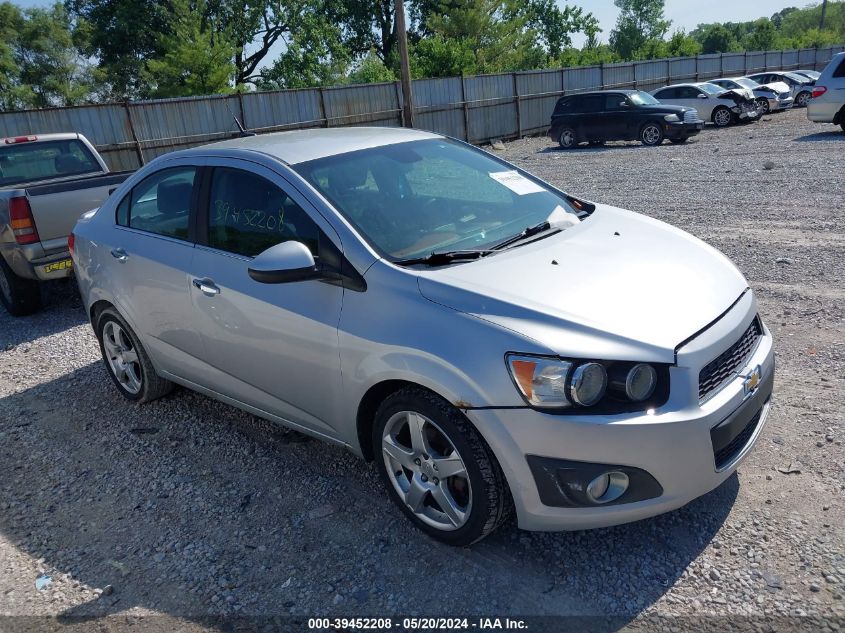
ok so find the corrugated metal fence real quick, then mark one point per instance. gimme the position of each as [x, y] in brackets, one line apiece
[476, 109]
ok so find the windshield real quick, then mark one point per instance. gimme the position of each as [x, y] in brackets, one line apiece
[713, 89]
[748, 83]
[642, 98]
[44, 160]
[412, 199]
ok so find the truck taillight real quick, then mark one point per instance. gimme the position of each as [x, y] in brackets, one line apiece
[818, 91]
[20, 139]
[23, 224]
[71, 242]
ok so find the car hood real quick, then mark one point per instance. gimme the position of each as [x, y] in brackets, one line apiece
[618, 285]
[779, 86]
[665, 108]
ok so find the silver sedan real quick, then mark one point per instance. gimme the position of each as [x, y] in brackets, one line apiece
[493, 343]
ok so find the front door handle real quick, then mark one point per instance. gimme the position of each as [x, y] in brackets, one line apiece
[207, 287]
[119, 254]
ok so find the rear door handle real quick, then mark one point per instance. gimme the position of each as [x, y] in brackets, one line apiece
[119, 254]
[207, 287]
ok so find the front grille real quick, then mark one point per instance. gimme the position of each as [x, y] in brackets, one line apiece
[727, 453]
[721, 369]
[691, 116]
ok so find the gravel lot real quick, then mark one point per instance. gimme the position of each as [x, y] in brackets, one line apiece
[188, 508]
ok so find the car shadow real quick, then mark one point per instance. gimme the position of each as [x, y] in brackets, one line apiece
[61, 309]
[189, 508]
[835, 134]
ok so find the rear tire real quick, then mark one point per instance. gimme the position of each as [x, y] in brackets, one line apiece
[568, 138]
[802, 99]
[722, 117]
[127, 361]
[763, 105]
[19, 296]
[416, 437]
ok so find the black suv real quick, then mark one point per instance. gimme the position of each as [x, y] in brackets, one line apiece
[620, 115]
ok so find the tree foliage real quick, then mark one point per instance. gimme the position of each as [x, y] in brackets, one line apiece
[105, 50]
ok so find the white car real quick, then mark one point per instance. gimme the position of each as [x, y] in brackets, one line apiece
[713, 102]
[801, 86]
[828, 102]
[769, 97]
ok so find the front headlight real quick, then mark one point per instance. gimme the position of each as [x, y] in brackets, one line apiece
[602, 386]
[542, 381]
[672, 118]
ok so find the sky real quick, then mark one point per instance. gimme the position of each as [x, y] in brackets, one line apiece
[687, 14]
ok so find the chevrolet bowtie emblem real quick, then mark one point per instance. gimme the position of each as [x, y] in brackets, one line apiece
[752, 380]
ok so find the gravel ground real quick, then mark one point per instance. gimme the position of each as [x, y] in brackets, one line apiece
[188, 508]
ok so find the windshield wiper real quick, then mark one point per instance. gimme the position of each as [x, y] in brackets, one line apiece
[444, 257]
[545, 225]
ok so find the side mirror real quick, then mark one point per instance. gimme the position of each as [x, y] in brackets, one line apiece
[624, 104]
[284, 263]
[702, 96]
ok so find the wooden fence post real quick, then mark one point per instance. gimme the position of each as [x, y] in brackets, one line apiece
[466, 110]
[323, 109]
[135, 140]
[518, 106]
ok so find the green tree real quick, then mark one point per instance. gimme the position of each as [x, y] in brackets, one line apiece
[370, 69]
[639, 21]
[762, 37]
[122, 36]
[716, 38]
[197, 59]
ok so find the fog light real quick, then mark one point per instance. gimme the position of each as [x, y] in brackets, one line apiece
[640, 382]
[588, 384]
[607, 487]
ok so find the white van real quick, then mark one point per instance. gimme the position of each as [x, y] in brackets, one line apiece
[828, 102]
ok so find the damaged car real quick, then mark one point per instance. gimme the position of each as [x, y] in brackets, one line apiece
[714, 103]
[769, 97]
[493, 343]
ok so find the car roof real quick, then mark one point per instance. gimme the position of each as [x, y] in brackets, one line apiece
[299, 146]
[626, 91]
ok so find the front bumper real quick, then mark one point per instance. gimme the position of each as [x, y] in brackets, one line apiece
[682, 129]
[746, 112]
[780, 104]
[672, 444]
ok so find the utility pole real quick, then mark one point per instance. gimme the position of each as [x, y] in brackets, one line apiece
[824, 12]
[402, 36]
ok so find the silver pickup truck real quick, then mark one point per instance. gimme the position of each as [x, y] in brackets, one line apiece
[46, 182]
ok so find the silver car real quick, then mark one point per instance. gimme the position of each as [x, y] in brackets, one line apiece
[769, 97]
[493, 343]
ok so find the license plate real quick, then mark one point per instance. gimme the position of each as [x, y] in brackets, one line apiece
[65, 264]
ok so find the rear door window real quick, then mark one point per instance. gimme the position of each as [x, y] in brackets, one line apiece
[593, 103]
[160, 203]
[666, 93]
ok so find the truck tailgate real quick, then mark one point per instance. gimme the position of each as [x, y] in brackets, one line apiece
[56, 206]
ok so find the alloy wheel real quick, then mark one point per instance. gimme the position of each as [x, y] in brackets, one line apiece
[763, 105]
[122, 357]
[426, 470]
[722, 117]
[567, 138]
[803, 98]
[651, 134]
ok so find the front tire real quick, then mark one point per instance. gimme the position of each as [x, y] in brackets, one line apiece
[722, 117]
[19, 296]
[568, 138]
[438, 469]
[651, 134]
[127, 361]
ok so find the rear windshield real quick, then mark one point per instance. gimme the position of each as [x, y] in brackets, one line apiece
[44, 160]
